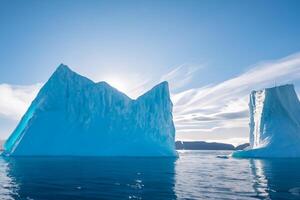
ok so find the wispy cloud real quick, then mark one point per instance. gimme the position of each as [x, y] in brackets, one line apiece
[180, 76]
[225, 105]
[216, 112]
[15, 99]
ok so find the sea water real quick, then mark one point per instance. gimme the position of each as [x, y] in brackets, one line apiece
[194, 175]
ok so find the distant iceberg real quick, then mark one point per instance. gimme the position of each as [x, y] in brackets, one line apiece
[274, 123]
[73, 116]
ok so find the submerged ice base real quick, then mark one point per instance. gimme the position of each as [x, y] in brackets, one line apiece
[274, 123]
[73, 116]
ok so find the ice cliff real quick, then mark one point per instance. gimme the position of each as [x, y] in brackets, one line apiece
[274, 123]
[73, 116]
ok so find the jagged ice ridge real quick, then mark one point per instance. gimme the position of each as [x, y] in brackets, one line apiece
[73, 116]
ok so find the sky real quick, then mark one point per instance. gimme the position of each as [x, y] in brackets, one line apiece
[213, 53]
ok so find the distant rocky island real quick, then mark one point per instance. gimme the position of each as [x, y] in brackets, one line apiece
[242, 146]
[201, 145]
[195, 145]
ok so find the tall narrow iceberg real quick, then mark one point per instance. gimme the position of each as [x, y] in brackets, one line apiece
[73, 116]
[274, 123]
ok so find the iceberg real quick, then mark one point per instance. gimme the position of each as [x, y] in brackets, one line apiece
[274, 123]
[74, 116]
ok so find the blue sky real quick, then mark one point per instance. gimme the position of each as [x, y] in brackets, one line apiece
[135, 44]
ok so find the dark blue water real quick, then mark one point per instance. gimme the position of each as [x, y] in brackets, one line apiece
[194, 175]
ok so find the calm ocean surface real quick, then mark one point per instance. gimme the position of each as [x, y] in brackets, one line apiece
[194, 175]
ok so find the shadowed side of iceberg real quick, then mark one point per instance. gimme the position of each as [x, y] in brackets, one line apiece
[73, 116]
[274, 123]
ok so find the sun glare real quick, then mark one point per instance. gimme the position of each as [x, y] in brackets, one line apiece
[118, 83]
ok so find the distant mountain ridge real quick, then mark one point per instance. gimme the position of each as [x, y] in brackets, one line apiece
[196, 145]
[202, 145]
[242, 146]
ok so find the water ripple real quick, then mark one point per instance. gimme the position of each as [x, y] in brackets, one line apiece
[194, 175]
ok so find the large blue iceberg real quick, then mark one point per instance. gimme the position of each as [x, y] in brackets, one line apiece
[274, 123]
[73, 116]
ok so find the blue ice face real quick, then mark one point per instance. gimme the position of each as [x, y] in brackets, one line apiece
[74, 116]
[274, 123]
[16, 136]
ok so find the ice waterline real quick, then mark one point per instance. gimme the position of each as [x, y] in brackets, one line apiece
[73, 116]
[274, 123]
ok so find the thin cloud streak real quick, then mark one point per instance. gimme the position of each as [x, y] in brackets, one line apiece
[212, 112]
[177, 78]
[226, 103]
[180, 76]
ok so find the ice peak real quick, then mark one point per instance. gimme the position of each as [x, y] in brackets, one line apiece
[64, 74]
[280, 87]
[72, 115]
[286, 87]
[63, 68]
[162, 86]
[277, 92]
[160, 90]
[62, 71]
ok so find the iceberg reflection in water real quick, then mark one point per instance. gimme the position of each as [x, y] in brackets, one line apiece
[194, 175]
[87, 178]
[276, 178]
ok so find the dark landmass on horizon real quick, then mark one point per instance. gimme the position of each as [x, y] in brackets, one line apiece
[242, 146]
[201, 145]
[195, 145]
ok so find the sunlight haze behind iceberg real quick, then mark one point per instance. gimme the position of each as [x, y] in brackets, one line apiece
[73, 116]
